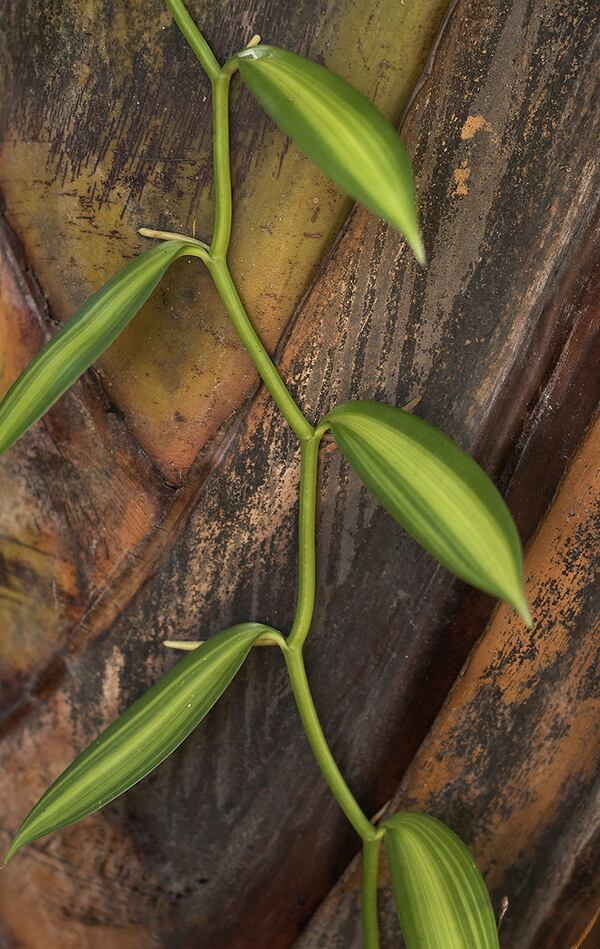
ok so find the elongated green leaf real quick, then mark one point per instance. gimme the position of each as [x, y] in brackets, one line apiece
[436, 492]
[83, 339]
[441, 898]
[340, 130]
[143, 736]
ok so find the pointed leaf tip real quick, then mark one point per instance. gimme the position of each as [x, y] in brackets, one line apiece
[15, 845]
[143, 736]
[418, 249]
[341, 130]
[524, 612]
[437, 492]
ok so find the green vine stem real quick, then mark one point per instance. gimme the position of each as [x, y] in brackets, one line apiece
[222, 167]
[195, 39]
[307, 559]
[312, 726]
[215, 259]
[258, 354]
[370, 875]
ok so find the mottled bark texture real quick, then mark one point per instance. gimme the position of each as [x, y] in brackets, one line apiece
[158, 498]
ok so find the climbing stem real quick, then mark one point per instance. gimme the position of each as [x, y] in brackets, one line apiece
[222, 166]
[257, 352]
[195, 39]
[370, 873]
[215, 259]
[305, 603]
[318, 743]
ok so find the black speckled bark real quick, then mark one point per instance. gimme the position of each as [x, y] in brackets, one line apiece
[512, 761]
[235, 840]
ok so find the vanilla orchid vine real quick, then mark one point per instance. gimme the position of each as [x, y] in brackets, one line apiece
[427, 483]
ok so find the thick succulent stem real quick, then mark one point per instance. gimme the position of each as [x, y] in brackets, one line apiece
[292, 648]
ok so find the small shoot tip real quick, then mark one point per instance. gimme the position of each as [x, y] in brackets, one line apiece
[171, 236]
[256, 39]
[184, 644]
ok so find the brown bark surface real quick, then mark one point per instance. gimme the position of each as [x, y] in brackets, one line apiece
[158, 499]
[511, 762]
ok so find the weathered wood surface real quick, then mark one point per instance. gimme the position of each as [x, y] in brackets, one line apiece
[75, 187]
[114, 133]
[235, 841]
[77, 498]
[513, 760]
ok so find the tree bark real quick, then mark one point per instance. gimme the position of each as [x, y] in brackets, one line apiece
[158, 498]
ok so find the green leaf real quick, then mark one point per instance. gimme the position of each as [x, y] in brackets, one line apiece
[143, 736]
[83, 339]
[436, 492]
[340, 130]
[441, 898]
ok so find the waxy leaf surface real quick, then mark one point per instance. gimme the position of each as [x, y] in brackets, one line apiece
[441, 898]
[436, 492]
[83, 339]
[143, 736]
[340, 130]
